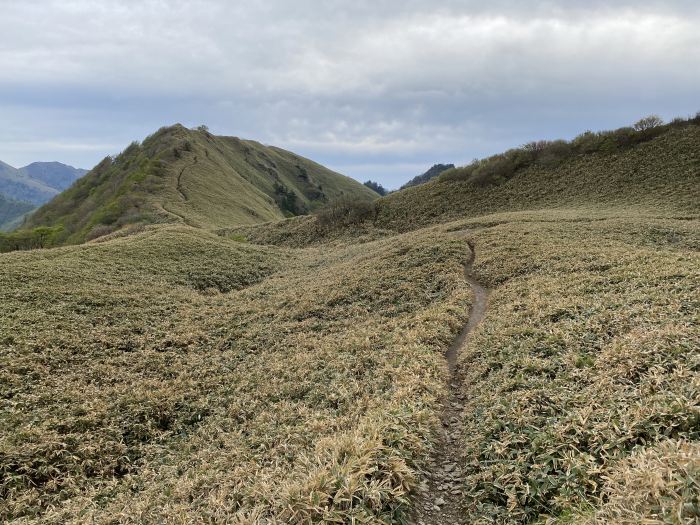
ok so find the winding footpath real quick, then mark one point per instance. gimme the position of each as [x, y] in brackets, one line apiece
[440, 498]
[178, 185]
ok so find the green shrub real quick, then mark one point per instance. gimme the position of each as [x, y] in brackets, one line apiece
[40, 237]
[646, 123]
[345, 212]
[554, 153]
[493, 170]
[457, 174]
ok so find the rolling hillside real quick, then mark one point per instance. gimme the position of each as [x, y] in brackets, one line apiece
[660, 172]
[196, 178]
[663, 172]
[512, 343]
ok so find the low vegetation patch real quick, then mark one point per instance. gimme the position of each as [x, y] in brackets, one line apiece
[658, 485]
[587, 356]
[41, 237]
[306, 393]
[344, 213]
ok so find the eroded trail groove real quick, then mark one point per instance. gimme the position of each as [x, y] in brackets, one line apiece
[178, 185]
[440, 499]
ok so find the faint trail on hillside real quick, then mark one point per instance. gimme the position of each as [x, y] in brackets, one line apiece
[440, 499]
[179, 178]
[476, 313]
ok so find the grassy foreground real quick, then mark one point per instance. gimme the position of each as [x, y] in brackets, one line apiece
[585, 368]
[197, 380]
[229, 382]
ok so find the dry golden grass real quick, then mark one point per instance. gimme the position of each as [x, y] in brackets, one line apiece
[657, 486]
[164, 374]
[134, 391]
[588, 353]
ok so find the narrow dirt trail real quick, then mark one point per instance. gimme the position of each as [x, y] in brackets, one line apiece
[179, 178]
[440, 500]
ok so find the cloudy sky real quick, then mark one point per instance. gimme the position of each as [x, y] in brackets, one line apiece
[377, 89]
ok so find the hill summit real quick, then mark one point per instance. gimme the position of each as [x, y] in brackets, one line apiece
[196, 178]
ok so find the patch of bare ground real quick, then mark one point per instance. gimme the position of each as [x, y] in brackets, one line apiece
[440, 498]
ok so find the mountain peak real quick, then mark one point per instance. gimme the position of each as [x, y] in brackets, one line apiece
[197, 178]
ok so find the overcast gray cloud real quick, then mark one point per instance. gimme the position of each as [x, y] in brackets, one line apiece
[379, 89]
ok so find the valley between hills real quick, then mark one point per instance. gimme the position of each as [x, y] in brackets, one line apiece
[205, 329]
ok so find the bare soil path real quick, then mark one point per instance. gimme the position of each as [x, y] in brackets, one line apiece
[179, 178]
[440, 500]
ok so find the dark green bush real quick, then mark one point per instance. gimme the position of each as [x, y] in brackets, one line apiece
[345, 212]
[554, 153]
[493, 170]
[288, 200]
[458, 174]
[376, 187]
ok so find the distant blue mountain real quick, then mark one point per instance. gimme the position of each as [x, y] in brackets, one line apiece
[54, 174]
[38, 182]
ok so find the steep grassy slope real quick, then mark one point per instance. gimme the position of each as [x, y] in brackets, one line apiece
[12, 210]
[181, 175]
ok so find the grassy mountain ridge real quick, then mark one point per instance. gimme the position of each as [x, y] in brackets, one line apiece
[194, 177]
[661, 173]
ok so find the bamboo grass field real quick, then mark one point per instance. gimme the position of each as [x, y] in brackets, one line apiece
[186, 369]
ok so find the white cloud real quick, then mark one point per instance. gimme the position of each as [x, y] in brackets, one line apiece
[411, 82]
